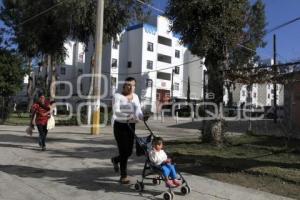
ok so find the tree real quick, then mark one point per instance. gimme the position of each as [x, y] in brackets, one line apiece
[44, 36]
[188, 91]
[11, 79]
[219, 31]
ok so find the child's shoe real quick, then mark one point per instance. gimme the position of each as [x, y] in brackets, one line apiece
[176, 182]
[169, 183]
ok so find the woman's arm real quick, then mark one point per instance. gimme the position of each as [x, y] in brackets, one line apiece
[138, 112]
[32, 119]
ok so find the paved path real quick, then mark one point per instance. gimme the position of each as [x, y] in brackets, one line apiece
[77, 165]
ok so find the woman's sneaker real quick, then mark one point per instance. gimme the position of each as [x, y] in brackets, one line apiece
[176, 182]
[115, 164]
[169, 183]
[124, 180]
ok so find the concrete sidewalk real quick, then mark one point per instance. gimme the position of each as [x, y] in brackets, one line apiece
[77, 165]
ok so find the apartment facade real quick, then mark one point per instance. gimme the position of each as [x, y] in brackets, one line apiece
[153, 55]
[257, 94]
[149, 52]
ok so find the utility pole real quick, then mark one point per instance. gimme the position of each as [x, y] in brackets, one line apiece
[95, 130]
[275, 72]
[172, 84]
[204, 100]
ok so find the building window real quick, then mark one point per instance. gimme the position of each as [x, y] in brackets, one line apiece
[150, 46]
[115, 44]
[254, 95]
[164, 41]
[113, 82]
[268, 96]
[129, 64]
[81, 57]
[149, 83]
[62, 70]
[177, 53]
[243, 93]
[176, 86]
[177, 70]
[149, 64]
[164, 58]
[114, 63]
[164, 76]
[62, 86]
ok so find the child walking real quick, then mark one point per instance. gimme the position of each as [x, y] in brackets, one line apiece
[158, 157]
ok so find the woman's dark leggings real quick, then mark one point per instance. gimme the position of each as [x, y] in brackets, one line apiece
[43, 134]
[125, 138]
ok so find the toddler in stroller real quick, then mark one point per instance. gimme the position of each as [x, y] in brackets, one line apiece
[158, 157]
[158, 164]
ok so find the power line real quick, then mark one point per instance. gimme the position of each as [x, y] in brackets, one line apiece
[267, 66]
[150, 6]
[243, 46]
[157, 9]
[273, 29]
[282, 25]
[43, 12]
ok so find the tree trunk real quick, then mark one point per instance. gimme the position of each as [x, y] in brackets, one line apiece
[48, 74]
[189, 91]
[230, 99]
[53, 79]
[214, 132]
[213, 129]
[31, 86]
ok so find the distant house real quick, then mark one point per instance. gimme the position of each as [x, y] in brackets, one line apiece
[292, 102]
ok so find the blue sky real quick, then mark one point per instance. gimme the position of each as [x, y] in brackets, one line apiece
[288, 38]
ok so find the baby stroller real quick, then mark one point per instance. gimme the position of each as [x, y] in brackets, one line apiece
[143, 146]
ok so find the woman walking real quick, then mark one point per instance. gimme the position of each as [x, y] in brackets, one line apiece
[126, 112]
[42, 111]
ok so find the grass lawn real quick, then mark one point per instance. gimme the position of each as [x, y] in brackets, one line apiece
[20, 120]
[260, 162]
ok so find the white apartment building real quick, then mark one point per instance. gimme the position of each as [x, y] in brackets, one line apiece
[243, 94]
[257, 94]
[153, 55]
[266, 94]
[149, 52]
[266, 91]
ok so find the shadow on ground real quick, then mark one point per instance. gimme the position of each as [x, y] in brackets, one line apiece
[92, 179]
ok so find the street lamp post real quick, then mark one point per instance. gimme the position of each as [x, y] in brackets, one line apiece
[204, 97]
[172, 85]
[95, 130]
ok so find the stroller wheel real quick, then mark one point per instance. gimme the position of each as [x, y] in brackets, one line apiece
[139, 186]
[168, 196]
[185, 190]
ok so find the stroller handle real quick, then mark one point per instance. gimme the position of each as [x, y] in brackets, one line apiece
[145, 125]
[145, 122]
